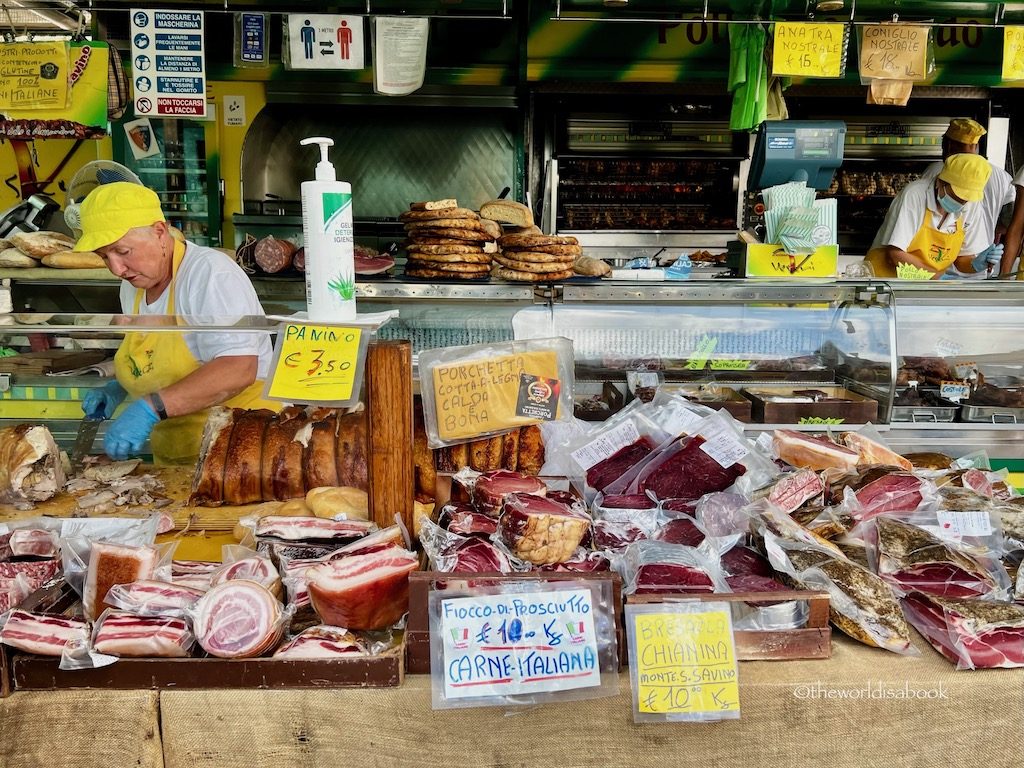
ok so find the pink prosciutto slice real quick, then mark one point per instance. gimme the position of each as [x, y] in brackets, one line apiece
[258, 569]
[369, 262]
[475, 555]
[491, 488]
[33, 542]
[362, 591]
[895, 492]
[125, 634]
[153, 598]
[792, 490]
[800, 450]
[466, 522]
[41, 634]
[111, 564]
[299, 528]
[321, 642]
[872, 452]
[238, 620]
[975, 634]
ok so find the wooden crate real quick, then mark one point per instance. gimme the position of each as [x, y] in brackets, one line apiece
[814, 641]
[417, 636]
[28, 672]
[851, 407]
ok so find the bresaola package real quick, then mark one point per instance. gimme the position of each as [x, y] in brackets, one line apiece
[972, 633]
[660, 568]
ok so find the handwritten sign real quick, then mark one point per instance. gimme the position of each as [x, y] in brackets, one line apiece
[517, 643]
[481, 396]
[894, 52]
[316, 364]
[699, 357]
[808, 50]
[682, 661]
[34, 76]
[1013, 53]
[955, 390]
[730, 365]
[767, 260]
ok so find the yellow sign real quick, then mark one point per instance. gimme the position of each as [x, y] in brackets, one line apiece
[730, 365]
[894, 52]
[808, 50]
[1013, 53]
[699, 359]
[685, 663]
[487, 395]
[34, 75]
[316, 363]
[769, 260]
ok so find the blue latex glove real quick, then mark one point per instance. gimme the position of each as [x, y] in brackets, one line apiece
[129, 431]
[990, 256]
[101, 402]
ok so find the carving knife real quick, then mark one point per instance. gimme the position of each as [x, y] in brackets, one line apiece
[84, 440]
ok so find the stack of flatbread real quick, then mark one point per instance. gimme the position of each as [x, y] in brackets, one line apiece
[25, 250]
[448, 242]
[534, 258]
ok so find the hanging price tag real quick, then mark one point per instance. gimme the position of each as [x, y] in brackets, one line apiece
[317, 364]
[808, 50]
[894, 52]
[682, 661]
[1013, 53]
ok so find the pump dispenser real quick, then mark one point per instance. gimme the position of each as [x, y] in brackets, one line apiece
[327, 237]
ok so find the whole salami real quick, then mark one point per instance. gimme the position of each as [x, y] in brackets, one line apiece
[274, 254]
[299, 260]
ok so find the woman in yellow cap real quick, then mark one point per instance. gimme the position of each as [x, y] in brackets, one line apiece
[934, 225]
[962, 137]
[173, 377]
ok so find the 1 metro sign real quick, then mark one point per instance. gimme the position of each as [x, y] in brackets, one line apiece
[324, 41]
[168, 63]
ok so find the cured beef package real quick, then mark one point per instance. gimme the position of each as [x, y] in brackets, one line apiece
[661, 568]
[972, 633]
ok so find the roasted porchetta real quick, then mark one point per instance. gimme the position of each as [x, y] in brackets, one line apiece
[30, 468]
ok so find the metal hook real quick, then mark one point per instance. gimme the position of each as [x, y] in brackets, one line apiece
[895, 18]
[704, 15]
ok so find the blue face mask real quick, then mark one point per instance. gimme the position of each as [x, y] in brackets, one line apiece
[950, 205]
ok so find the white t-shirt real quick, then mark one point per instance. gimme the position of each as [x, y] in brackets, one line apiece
[998, 192]
[904, 217]
[210, 287]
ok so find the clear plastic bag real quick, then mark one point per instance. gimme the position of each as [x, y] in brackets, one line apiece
[523, 643]
[723, 514]
[483, 390]
[122, 634]
[239, 620]
[452, 553]
[34, 537]
[656, 567]
[243, 563]
[153, 598]
[973, 634]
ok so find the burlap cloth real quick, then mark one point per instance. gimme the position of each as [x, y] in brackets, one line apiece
[852, 710]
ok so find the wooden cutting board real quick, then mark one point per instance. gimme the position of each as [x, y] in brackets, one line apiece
[50, 361]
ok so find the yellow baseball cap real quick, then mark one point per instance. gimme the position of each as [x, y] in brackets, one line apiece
[110, 210]
[967, 175]
[965, 131]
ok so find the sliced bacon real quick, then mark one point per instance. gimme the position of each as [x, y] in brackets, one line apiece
[153, 598]
[111, 564]
[33, 542]
[238, 620]
[41, 634]
[258, 569]
[363, 591]
[299, 528]
[125, 634]
[321, 642]
[195, 574]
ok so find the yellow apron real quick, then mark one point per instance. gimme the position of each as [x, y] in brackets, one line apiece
[149, 362]
[937, 249]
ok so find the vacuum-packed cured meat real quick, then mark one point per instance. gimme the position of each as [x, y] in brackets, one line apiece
[689, 473]
[607, 471]
[363, 591]
[238, 620]
[491, 488]
[894, 492]
[321, 642]
[872, 452]
[809, 452]
[539, 530]
[33, 542]
[125, 634]
[258, 569]
[976, 634]
[42, 634]
[30, 467]
[794, 489]
[153, 598]
[111, 564]
[300, 528]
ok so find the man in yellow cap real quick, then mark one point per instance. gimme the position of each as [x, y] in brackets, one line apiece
[962, 137]
[172, 377]
[934, 225]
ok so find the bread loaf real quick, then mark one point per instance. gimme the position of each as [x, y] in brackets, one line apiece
[585, 265]
[13, 258]
[39, 244]
[507, 212]
[74, 260]
[434, 205]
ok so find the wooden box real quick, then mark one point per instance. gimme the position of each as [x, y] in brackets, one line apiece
[729, 400]
[846, 405]
[28, 672]
[417, 635]
[813, 641]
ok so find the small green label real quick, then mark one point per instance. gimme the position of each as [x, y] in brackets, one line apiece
[730, 365]
[820, 420]
[699, 359]
[335, 204]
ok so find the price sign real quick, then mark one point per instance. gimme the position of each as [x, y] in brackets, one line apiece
[34, 76]
[1013, 53]
[808, 50]
[682, 662]
[699, 359]
[730, 365]
[553, 639]
[894, 52]
[954, 390]
[317, 364]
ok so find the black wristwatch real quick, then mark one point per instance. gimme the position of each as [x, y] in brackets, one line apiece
[158, 405]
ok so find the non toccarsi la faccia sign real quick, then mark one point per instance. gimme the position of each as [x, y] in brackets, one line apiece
[168, 63]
